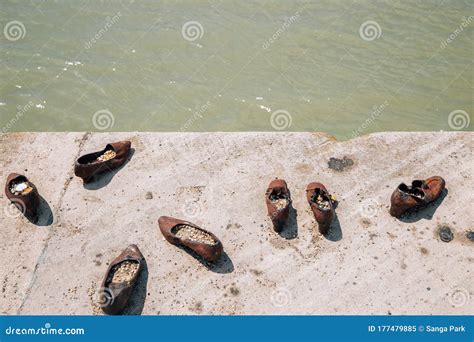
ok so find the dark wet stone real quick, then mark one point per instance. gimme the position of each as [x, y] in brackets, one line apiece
[234, 290]
[445, 234]
[339, 164]
[470, 235]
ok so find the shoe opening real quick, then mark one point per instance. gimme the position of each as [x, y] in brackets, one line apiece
[123, 272]
[321, 199]
[97, 157]
[279, 198]
[412, 190]
[187, 232]
[20, 186]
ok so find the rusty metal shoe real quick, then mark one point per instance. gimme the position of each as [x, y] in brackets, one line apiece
[120, 279]
[111, 157]
[322, 205]
[278, 200]
[183, 233]
[418, 194]
[24, 195]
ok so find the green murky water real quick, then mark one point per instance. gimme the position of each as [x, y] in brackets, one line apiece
[343, 67]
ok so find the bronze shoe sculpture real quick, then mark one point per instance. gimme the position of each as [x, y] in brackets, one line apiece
[183, 233]
[322, 205]
[278, 200]
[24, 194]
[111, 157]
[120, 279]
[418, 194]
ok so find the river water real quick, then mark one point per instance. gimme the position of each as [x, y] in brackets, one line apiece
[343, 67]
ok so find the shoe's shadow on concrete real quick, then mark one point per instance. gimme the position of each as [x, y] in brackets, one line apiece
[45, 214]
[335, 232]
[290, 231]
[103, 179]
[426, 212]
[139, 294]
[224, 265]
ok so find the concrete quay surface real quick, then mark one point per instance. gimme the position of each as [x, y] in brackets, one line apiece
[370, 263]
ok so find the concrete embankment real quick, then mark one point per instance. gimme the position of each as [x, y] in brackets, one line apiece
[370, 263]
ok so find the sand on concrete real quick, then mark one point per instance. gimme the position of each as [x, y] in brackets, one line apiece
[370, 263]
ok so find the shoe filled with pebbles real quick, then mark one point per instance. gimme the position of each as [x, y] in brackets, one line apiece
[186, 232]
[111, 157]
[107, 155]
[182, 233]
[322, 201]
[322, 205]
[418, 194]
[123, 272]
[280, 200]
[120, 279]
[277, 200]
[413, 190]
[24, 195]
[21, 187]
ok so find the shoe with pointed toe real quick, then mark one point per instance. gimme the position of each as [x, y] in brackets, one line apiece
[111, 157]
[120, 280]
[322, 205]
[24, 195]
[183, 233]
[278, 200]
[418, 194]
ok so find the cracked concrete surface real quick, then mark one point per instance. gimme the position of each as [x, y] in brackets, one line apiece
[370, 263]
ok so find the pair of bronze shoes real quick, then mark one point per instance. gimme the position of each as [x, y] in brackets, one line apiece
[418, 194]
[122, 274]
[111, 157]
[278, 201]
